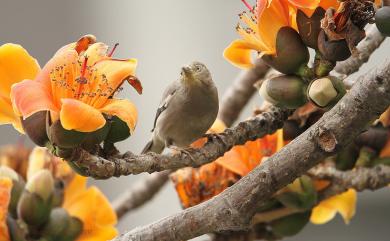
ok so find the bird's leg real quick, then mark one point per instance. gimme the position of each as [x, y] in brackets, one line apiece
[181, 150]
[213, 136]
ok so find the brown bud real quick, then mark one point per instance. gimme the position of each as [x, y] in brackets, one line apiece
[35, 128]
[32, 209]
[310, 28]
[94, 138]
[291, 130]
[375, 137]
[337, 50]
[291, 52]
[64, 138]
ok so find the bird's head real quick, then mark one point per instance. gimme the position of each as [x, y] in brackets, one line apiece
[196, 72]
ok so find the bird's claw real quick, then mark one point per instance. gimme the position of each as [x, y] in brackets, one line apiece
[181, 150]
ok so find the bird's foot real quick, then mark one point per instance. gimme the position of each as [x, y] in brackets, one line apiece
[213, 136]
[181, 150]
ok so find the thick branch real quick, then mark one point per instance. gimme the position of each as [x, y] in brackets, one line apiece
[234, 208]
[242, 90]
[252, 129]
[365, 48]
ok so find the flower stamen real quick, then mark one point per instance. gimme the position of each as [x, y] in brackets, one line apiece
[82, 79]
[247, 5]
[113, 50]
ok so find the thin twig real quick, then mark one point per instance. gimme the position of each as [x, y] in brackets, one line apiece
[234, 208]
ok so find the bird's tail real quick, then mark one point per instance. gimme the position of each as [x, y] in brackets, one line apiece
[153, 146]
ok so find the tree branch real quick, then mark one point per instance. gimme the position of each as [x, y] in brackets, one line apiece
[365, 48]
[234, 208]
[129, 163]
[240, 92]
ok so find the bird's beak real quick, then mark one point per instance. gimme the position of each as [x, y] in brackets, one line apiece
[186, 70]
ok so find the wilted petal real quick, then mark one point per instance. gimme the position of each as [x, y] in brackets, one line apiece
[124, 110]
[76, 115]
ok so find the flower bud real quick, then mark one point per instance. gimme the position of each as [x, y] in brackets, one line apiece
[57, 224]
[73, 230]
[288, 91]
[310, 28]
[15, 231]
[291, 52]
[35, 127]
[17, 188]
[119, 131]
[58, 195]
[64, 138]
[42, 184]
[382, 20]
[290, 225]
[333, 50]
[33, 210]
[326, 92]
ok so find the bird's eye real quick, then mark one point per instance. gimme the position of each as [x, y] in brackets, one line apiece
[198, 68]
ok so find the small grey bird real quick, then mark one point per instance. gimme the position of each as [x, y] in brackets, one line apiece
[188, 108]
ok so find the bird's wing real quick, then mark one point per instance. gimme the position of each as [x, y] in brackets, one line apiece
[167, 97]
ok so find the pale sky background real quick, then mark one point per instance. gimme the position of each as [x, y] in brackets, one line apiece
[164, 35]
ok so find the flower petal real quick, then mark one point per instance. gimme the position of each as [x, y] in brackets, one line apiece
[7, 114]
[110, 74]
[239, 54]
[15, 65]
[76, 115]
[344, 203]
[29, 97]
[74, 189]
[312, 4]
[124, 110]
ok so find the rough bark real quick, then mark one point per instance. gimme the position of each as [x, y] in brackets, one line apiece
[234, 208]
[129, 163]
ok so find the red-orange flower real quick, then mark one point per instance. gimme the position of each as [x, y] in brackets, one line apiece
[77, 86]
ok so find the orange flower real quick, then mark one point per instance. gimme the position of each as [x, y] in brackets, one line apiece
[345, 204]
[92, 208]
[5, 197]
[262, 26]
[76, 86]
[15, 65]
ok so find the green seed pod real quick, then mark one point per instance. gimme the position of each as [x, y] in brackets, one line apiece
[119, 131]
[15, 231]
[382, 20]
[60, 137]
[326, 92]
[35, 128]
[288, 91]
[310, 28]
[290, 225]
[333, 50]
[291, 52]
[33, 210]
[57, 224]
[375, 137]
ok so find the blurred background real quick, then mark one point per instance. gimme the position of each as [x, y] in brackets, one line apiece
[163, 36]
